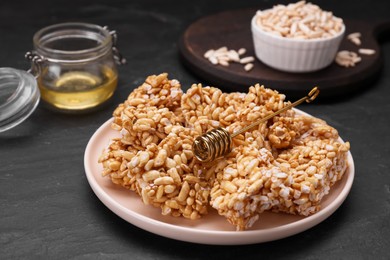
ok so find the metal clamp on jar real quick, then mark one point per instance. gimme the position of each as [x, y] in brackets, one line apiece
[75, 65]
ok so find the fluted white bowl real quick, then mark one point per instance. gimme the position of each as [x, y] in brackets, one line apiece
[294, 55]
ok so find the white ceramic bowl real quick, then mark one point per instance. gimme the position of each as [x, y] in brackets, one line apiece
[294, 55]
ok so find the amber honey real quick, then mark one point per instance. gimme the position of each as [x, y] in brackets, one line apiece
[78, 90]
[75, 65]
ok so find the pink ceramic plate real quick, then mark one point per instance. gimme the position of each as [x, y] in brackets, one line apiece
[211, 229]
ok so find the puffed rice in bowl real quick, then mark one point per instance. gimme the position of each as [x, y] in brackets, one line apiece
[298, 37]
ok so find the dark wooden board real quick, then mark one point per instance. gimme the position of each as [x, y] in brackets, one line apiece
[232, 29]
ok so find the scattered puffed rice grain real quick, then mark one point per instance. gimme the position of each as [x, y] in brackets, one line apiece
[209, 53]
[213, 60]
[367, 51]
[222, 49]
[223, 62]
[347, 58]
[248, 66]
[356, 41]
[233, 55]
[223, 56]
[247, 59]
[241, 51]
[356, 59]
[354, 35]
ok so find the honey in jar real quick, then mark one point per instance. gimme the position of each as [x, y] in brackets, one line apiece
[75, 64]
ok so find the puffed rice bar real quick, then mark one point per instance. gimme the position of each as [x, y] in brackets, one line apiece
[291, 180]
[287, 164]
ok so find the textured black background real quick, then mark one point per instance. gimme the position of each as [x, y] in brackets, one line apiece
[48, 210]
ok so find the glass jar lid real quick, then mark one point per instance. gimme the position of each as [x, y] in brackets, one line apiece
[19, 96]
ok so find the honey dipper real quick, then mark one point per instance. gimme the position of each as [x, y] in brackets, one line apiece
[217, 143]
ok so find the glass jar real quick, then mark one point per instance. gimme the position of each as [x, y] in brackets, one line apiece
[75, 65]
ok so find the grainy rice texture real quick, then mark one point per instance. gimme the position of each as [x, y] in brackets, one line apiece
[299, 20]
[285, 165]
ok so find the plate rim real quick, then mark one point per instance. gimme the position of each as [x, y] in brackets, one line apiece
[213, 237]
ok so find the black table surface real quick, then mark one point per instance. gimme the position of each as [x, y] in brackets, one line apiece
[47, 208]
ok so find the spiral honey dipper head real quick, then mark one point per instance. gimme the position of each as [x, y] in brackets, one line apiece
[218, 142]
[212, 145]
[312, 94]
